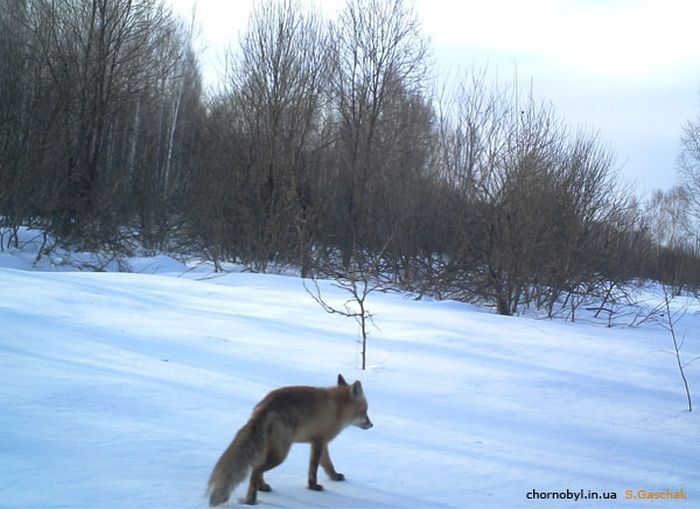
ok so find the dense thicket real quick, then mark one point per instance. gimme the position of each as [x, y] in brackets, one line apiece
[324, 147]
[100, 112]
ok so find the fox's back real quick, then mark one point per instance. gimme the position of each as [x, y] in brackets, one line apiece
[308, 412]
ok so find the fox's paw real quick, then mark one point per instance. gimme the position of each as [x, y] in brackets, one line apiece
[314, 486]
[337, 477]
[263, 486]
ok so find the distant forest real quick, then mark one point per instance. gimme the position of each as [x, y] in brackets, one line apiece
[327, 148]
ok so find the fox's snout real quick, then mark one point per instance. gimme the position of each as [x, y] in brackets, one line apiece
[363, 422]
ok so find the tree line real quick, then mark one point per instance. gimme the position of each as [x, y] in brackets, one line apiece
[327, 147]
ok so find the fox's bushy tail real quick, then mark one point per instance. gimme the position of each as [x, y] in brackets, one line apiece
[246, 449]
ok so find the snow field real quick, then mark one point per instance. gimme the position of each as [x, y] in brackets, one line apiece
[122, 390]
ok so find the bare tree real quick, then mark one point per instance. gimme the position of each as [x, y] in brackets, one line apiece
[689, 164]
[363, 277]
[274, 84]
[674, 234]
[377, 52]
[528, 200]
[17, 111]
[670, 320]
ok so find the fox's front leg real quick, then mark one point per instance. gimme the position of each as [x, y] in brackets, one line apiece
[317, 447]
[327, 465]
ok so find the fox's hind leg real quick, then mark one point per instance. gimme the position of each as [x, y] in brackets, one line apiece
[257, 482]
[262, 485]
[276, 454]
[251, 497]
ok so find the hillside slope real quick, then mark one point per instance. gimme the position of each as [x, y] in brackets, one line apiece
[121, 390]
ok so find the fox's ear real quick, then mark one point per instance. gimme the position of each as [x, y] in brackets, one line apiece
[356, 390]
[341, 380]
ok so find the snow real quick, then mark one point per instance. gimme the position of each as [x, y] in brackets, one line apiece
[121, 390]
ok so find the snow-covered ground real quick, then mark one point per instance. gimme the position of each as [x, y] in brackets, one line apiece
[121, 390]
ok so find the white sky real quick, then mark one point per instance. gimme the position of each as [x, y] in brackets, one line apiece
[629, 69]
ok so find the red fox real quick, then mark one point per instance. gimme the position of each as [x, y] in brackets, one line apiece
[287, 415]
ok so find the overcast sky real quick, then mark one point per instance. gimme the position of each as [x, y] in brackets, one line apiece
[628, 69]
